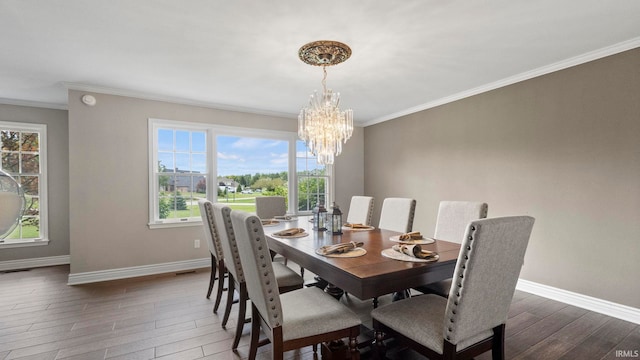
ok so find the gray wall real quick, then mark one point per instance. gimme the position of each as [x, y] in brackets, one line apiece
[58, 179]
[564, 148]
[109, 180]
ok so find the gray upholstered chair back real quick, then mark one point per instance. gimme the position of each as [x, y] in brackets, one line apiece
[360, 210]
[222, 216]
[454, 216]
[397, 214]
[256, 264]
[210, 229]
[269, 206]
[485, 277]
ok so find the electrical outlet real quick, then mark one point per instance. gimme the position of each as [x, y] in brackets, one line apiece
[196, 243]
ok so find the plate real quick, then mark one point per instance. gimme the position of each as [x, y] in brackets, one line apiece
[298, 235]
[423, 241]
[349, 254]
[392, 254]
[358, 229]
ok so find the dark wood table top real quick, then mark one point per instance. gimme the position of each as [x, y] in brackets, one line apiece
[368, 276]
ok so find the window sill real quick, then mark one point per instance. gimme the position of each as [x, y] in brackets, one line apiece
[8, 244]
[167, 225]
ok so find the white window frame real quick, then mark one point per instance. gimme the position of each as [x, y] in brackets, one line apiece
[154, 125]
[212, 132]
[42, 185]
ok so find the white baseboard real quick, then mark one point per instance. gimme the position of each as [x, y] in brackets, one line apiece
[35, 262]
[605, 307]
[135, 271]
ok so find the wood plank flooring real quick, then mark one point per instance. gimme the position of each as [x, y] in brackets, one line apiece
[168, 317]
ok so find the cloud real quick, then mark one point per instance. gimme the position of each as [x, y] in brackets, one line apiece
[253, 143]
[279, 159]
[224, 156]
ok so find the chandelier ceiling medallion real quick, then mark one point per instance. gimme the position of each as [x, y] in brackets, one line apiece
[321, 124]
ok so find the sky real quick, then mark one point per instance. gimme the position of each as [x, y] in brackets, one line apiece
[236, 155]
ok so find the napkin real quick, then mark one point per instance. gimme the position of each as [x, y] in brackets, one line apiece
[414, 235]
[289, 232]
[415, 251]
[339, 248]
[283, 217]
[357, 226]
[270, 222]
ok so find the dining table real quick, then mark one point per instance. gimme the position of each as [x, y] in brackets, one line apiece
[366, 276]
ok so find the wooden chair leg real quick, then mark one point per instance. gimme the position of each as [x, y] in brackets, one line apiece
[221, 272]
[255, 333]
[497, 349]
[353, 348]
[242, 310]
[212, 279]
[227, 307]
[380, 350]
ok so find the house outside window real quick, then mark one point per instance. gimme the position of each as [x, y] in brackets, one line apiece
[23, 156]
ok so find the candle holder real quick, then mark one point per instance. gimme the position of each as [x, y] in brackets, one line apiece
[319, 217]
[336, 220]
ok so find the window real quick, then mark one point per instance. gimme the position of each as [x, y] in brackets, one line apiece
[190, 161]
[23, 153]
[179, 171]
[313, 179]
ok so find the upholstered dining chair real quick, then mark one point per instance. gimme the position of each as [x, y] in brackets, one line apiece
[267, 207]
[397, 214]
[360, 210]
[286, 278]
[217, 257]
[452, 221]
[472, 320]
[292, 320]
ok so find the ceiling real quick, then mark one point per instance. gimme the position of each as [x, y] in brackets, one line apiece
[243, 54]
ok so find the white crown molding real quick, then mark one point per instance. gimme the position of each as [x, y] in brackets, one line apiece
[171, 99]
[37, 104]
[605, 307]
[135, 271]
[34, 263]
[560, 65]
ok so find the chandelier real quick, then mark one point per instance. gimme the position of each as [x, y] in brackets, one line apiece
[321, 124]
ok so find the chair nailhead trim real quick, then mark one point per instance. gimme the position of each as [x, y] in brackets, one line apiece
[459, 284]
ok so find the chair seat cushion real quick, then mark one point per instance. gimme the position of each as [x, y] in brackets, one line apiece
[286, 277]
[430, 309]
[439, 288]
[310, 311]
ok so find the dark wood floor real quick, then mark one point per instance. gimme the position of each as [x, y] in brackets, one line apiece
[168, 317]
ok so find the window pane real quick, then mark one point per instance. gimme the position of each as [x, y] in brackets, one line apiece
[30, 163]
[199, 163]
[10, 140]
[312, 179]
[10, 163]
[30, 142]
[29, 184]
[252, 163]
[199, 142]
[165, 162]
[182, 163]
[165, 140]
[182, 140]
